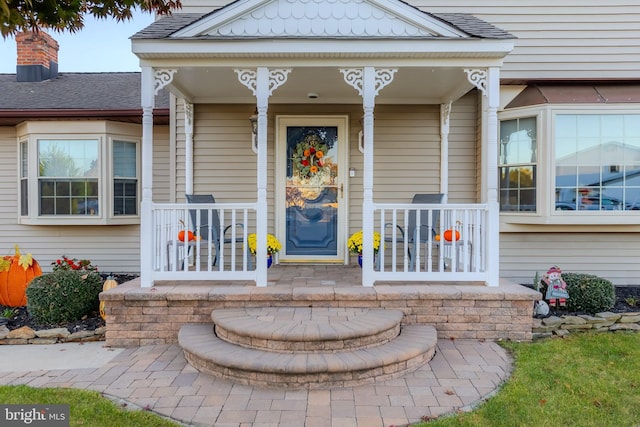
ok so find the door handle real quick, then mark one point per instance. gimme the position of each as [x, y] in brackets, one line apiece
[342, 191]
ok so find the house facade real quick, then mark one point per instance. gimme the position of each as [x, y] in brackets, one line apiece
[525, 118]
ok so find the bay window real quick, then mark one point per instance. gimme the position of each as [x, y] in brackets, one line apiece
[84, 178]
[564, 164]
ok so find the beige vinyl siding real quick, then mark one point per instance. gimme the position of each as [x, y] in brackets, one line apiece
[223, 162]
[560, 39]
[613, 256]
[9, 186]
[464, 169]
[202, 6]
[161, 165]
[113, 248]
[406, 152]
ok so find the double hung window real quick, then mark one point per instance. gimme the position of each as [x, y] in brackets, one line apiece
[518, 158]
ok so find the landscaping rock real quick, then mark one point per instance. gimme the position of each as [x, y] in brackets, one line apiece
[24, 332]
[629, 318]
[609, 316]
[573, 320]
[625, 327]
[53, 333]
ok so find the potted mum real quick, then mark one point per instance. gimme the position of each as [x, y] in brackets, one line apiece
[273, 246]
[355, 244]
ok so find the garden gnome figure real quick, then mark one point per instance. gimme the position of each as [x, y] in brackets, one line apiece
[556, 287]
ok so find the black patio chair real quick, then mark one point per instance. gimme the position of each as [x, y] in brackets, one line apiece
[205, 230]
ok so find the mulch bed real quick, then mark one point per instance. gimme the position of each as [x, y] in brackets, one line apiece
[87, 323]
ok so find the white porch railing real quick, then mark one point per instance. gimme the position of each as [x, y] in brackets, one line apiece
[218, 251]
[408, 253]
[428, 252]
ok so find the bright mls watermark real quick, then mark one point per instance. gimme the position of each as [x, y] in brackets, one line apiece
[34, 415]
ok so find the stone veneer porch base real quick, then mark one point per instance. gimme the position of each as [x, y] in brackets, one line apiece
[143, 316]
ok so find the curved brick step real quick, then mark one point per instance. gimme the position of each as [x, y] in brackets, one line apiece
[411, 349]
[304, 329]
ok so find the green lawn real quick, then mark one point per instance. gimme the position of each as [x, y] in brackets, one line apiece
[87, 408]
[584, 380]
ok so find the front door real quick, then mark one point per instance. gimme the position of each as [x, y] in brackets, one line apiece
[311, 156]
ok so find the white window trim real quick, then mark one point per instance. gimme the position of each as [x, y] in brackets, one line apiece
[545, 185]
[105, 133]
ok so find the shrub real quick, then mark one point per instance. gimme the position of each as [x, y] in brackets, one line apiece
[589, 293]
[63, 296]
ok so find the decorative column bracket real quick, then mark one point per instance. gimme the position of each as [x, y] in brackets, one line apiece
[354, 78]
[478, 78]
[249, 78]
[161, 78]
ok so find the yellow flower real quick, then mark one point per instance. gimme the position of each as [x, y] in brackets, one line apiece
[313, 169]
[307, 152]
[355, 242]
[273, 245]
[319, 154]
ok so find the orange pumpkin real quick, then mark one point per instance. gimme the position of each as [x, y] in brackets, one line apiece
[190, 235]
[15, 274]
[448, 235]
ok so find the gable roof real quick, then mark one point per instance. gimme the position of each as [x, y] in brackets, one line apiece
[72, 95]
[320, 19]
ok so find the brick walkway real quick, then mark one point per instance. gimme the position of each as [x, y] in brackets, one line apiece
[462, 374]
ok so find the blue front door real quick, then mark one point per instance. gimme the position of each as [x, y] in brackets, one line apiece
[313, 192]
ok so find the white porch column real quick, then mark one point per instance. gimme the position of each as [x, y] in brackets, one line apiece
[368, 81]
[262, 83]
[488, 82]
[188, 147]
[151, 84]
[445, 114]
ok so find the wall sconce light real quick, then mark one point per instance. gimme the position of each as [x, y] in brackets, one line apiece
[253, 120]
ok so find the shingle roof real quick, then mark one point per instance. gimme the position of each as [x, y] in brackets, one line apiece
[167, 25]
[467, 23]
[82, 91]
[474, 26]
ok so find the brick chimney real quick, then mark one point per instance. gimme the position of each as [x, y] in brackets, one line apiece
[37, 57]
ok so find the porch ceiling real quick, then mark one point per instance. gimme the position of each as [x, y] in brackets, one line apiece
[411, 85]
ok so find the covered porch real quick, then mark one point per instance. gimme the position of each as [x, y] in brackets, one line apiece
[246, 58]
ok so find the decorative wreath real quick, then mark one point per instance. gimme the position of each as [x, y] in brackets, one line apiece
[308, 156]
